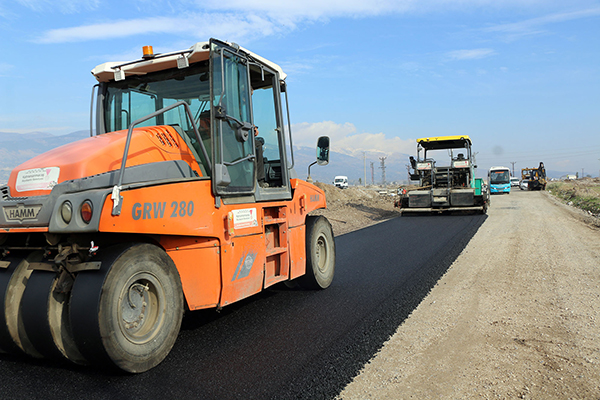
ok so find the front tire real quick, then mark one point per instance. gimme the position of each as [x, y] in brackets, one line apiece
[320, 254]
[128, 313]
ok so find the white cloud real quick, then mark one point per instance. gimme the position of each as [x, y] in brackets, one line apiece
[472, 54]
[344, 138]
[249, 19]
[534, 26]
[5, 68]
[63, 6]
[290, 12]
[228, 26]
[294, 11]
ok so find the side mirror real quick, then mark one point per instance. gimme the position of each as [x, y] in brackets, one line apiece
[322, 154]
[323, 150]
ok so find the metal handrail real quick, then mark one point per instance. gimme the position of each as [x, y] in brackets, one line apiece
[116, 197]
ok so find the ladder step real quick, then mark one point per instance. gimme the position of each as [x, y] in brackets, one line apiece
[276, 250]
[272, 221]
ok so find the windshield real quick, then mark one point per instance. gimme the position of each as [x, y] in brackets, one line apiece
[444, 157]
[499, 177]
[138, 96]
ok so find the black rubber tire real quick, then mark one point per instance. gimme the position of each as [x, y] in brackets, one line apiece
[45, 318]
[34, 310]
[128, 314]
[13, 281]
[320, 254]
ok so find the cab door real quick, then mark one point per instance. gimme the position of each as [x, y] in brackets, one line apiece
[233, 144]
[234, 174]
[250, 174]
[273, 182]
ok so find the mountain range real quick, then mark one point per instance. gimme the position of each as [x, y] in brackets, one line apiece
[17, 148]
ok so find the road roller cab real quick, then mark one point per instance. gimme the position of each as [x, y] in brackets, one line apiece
[184, 197]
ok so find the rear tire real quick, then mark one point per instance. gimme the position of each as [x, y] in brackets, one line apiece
[13, 281]
[35, 311]
[128, 313]
[45, 315]
[320, 254]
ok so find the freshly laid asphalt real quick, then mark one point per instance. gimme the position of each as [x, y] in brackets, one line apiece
[282, 343]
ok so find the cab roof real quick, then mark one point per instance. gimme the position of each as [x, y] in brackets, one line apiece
[445, 142]
[198, 52]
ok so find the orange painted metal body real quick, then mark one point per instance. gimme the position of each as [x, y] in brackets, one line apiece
[218, 264]
[223, 254]
[103, 153]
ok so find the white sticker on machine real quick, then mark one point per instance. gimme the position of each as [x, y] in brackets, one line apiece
[245, 218]
[37, 179]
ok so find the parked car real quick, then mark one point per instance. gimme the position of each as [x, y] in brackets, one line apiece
[523, 185]
[514, 181]
[341, 182]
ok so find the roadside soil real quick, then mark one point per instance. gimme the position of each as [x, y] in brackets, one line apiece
[356, 207]
[515, 316]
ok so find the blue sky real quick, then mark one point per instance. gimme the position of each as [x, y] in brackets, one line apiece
[521, 77]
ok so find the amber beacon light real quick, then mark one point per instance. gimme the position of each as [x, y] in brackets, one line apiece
[148, 52]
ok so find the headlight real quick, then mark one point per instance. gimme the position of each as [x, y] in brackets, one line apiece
[66, 211]
[86, 211]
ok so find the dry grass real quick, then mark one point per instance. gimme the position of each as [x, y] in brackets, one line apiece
[581, 193]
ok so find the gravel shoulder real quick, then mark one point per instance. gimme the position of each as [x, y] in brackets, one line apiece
[516, 315]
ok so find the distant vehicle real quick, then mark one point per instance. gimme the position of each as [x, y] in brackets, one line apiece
[523, 185]
[499, 179]
[446, 173]
[341, 182]
[514, 181]
[535, 177]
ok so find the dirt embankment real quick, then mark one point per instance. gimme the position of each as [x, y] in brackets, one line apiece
[581, 193]
[356, 207]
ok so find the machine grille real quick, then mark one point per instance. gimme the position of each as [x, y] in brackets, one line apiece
[5, 194]
[166, 139]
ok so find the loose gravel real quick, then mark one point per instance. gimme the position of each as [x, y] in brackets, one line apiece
[516, 315]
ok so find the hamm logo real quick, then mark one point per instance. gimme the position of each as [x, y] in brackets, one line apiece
[21, 212]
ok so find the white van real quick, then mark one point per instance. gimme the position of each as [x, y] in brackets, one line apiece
[341, 182]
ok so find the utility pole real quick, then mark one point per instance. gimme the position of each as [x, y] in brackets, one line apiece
[513, 167]
[382, 159]
[372, 174]
[582, 175]
[365, 166]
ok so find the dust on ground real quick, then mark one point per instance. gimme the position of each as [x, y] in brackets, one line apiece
[517, 315]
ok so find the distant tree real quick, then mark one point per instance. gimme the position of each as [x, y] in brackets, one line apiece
[359, 181]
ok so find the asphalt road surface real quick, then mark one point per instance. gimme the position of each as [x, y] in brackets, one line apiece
[282, 343]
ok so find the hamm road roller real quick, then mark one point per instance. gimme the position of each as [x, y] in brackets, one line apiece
[184, 197]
